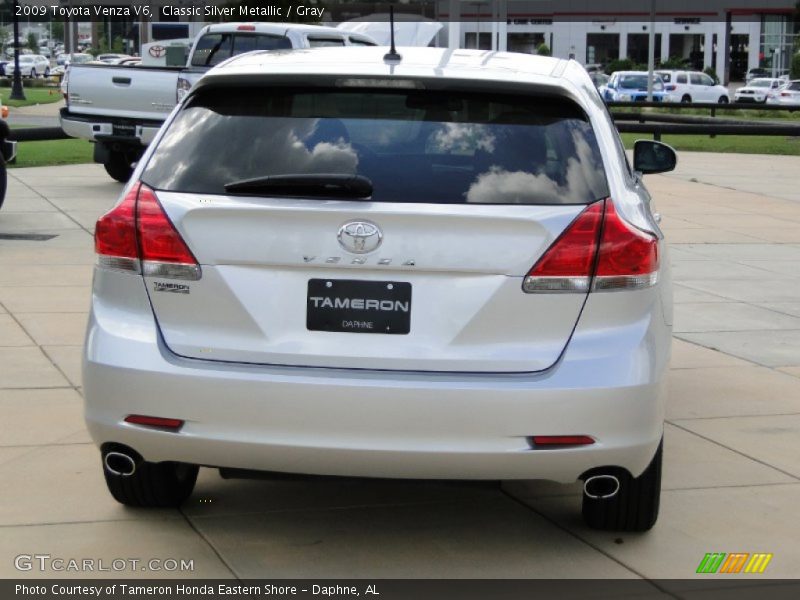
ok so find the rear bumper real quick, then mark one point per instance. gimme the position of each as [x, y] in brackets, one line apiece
[96, 127]
[380, 424]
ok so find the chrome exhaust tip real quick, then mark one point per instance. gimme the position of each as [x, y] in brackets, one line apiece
[601, 487]
[118, 463]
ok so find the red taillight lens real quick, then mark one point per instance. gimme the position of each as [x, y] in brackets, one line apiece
[115, 231]
[246, 28]
[139, 231]
[154, 421]
[598, 250]
[628, 257]
[568, 264]
[158, 238]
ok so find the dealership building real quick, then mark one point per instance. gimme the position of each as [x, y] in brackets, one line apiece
[730, 36]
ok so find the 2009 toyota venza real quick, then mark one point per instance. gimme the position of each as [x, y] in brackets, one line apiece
[442, 266]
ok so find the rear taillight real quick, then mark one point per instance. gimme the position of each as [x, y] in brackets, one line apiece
[598, 251]
[568, 264]
[184, 85]
[628, 257]
[137, 235]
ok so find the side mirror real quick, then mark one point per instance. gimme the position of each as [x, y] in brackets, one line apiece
[653, 157]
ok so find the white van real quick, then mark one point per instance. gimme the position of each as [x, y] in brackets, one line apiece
[693, 86]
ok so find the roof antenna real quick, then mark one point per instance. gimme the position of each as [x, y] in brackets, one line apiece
[392, 54]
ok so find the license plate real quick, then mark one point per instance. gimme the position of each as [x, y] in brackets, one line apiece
[126, 130]
[358, 306]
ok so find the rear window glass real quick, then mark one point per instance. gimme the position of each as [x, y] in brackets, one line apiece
[325, 42]
[639, 82]
[359, 42]
[213, 48]
[414, 146]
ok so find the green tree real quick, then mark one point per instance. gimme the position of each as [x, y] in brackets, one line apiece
[796, 66]
[619, 64]
[57, 27]
[543, 50]
[712, 73]
[674, 62]
[33, 43]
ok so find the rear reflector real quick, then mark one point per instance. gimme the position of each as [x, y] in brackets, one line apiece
[598, 251]
[562, 440]
[137, 235]
[154, 421]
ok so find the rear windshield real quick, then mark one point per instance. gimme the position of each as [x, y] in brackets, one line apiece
[639, 82]
[413, 145]
[213, 48]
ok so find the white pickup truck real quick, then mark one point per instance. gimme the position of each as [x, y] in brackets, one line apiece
[121, 108]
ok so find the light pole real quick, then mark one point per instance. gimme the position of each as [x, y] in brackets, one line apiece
[17, 93]
[651, 50]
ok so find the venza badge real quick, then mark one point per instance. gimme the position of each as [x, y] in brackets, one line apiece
[360, 237]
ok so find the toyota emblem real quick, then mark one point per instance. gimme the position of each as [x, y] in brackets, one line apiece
[360, 237]
[157, 51]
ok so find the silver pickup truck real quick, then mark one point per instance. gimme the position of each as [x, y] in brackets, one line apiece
[121, 108]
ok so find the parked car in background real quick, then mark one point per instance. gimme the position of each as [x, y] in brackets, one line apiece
[599, 79]
[282, 259]
[787, 95]
[758, 90]
[45, 51]
[631, 86]
[111, 59]
[692, 86]
[30, 65]
[122, 107]
[216, 43]
[756, 73]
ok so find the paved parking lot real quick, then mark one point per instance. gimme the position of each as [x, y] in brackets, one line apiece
[732, 470]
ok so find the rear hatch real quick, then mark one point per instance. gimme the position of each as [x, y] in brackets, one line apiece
[371, 228]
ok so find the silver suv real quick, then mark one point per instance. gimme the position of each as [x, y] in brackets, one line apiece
[331, 262]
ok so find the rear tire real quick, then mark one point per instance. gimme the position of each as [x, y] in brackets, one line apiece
[723, 100]
[687, 99]
[118, 167]
[635, 506]
[153, 485]
[33, 74]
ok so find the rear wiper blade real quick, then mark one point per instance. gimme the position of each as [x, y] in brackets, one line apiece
[315, 185]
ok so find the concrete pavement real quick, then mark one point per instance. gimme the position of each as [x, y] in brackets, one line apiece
[732, 447]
